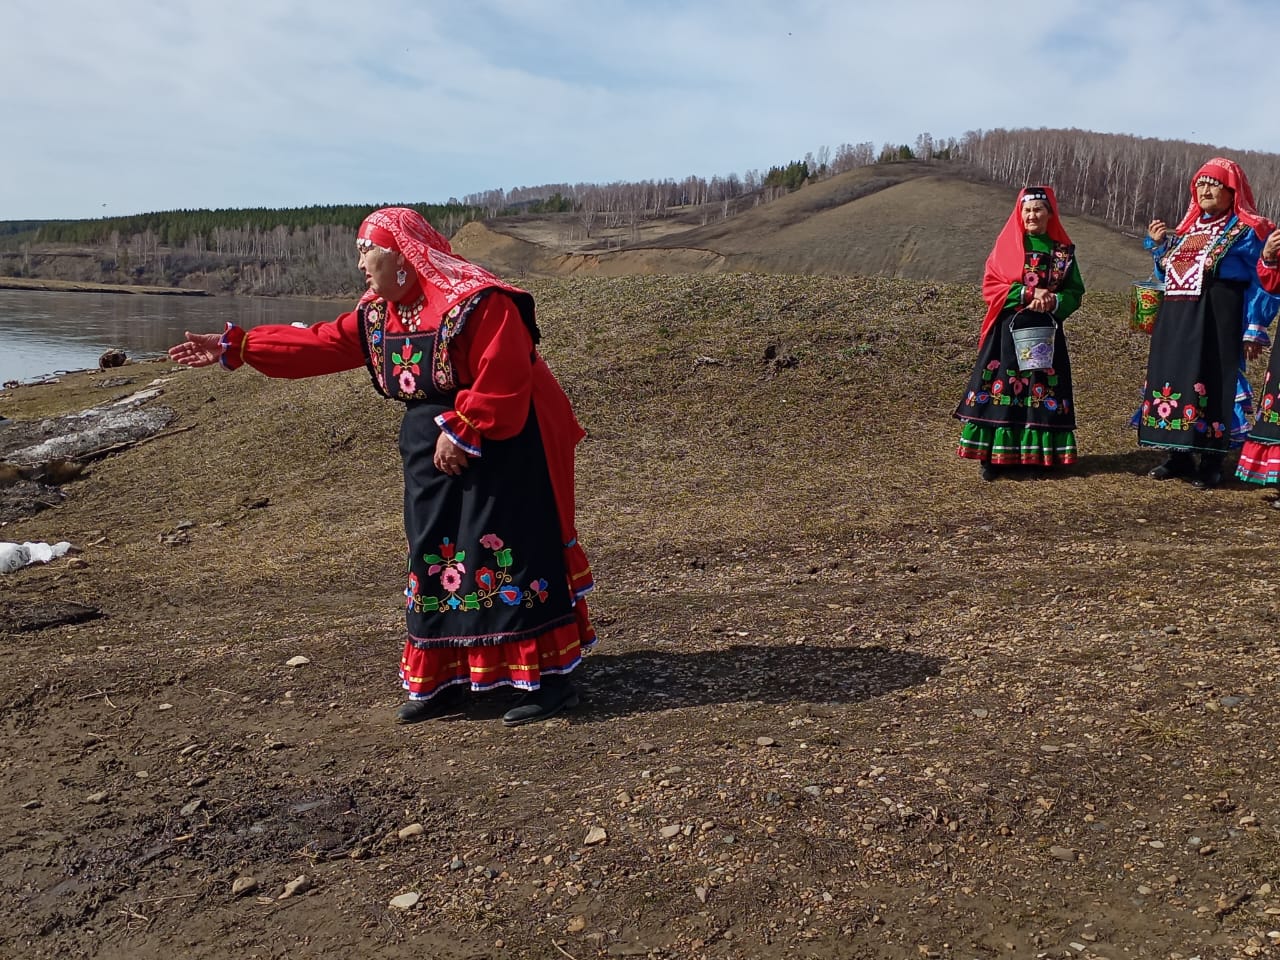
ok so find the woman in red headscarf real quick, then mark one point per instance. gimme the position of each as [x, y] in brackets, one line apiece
[496, 579]
[1260, 456]
[1019, 410]
[1213, 317]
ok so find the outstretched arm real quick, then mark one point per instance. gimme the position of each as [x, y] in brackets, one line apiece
[278, 350]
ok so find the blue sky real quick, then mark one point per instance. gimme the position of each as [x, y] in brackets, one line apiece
[133, 106]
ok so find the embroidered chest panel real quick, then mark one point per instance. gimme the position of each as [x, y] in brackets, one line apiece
[1048, 269]
[1197, 253]
[407, 363]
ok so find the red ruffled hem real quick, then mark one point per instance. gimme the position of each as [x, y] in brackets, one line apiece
[520, 663]
[1259, 463]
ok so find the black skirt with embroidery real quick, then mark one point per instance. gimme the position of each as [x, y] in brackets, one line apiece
[1189, 398]
[1000, 394]
[485, 559]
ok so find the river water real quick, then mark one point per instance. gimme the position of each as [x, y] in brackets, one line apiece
[46, 332]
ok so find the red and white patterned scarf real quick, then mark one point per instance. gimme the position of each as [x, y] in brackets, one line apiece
[1228, 173]
[446, 279]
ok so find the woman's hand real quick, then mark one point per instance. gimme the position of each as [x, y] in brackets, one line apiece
[449, 458]
[1271, 249]
[1252, 350]
[1157, 230]
[198, 350]
[1042, 301]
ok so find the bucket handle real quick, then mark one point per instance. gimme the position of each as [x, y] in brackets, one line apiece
[1017, 313]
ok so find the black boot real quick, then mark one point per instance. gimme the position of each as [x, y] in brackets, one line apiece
[1210, 474]
[988, 471]
[556, 693]
[448, 701]
[1179, 464]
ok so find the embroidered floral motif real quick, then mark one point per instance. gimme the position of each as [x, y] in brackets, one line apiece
[1018, 389]
[1166, 411]
[1268, 412]
[451, 325]
[491, 585]
[373, 316]
[404, 365]
[394, 360]
[1063, 254]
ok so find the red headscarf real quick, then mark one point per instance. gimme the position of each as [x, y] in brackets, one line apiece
[1228, 172]
[446, 279]
[1008, 258]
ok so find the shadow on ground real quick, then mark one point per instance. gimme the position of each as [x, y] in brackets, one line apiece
[619, 684]
[1136, 462]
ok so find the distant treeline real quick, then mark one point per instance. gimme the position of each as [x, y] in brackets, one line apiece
[1121, 179]
[179, 227]
[1125, 180]
[10, 228]
[306, 251]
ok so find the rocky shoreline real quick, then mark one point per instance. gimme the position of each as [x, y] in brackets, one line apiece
[86, 286]
[65, 429]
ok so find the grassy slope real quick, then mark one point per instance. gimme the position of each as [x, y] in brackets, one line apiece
[907, 220]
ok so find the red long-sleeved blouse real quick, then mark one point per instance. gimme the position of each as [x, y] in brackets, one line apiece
[493, 359]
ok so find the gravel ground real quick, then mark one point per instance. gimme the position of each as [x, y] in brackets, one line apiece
[848, 701]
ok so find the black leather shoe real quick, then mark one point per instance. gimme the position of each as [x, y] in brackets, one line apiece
[555, 694]
[1208, 476]
[1178, 465]
[449, 701]
[989, 471]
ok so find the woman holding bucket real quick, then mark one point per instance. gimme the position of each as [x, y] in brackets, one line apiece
[1018, 409]
[1260, 458]
[1213, 317]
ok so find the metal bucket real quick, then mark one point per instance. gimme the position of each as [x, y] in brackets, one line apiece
[1033, 345]
[1144, 305]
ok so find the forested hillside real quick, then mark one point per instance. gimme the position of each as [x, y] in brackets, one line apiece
[1119, 180]
[1123, 180]
[303, 251]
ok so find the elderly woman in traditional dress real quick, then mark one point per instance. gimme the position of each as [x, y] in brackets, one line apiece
[1260, 456]
[1015, 417]
[496, 579]
[1214, 316]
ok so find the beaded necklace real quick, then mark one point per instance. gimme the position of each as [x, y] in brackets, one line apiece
[410, 313]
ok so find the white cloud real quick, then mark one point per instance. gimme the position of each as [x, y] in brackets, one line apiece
[144, 105]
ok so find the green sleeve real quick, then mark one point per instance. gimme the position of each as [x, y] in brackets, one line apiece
[1070, 293]
[1014, 299]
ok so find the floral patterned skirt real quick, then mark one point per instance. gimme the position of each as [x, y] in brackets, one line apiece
[1194, 397]
[489, 599]
[1013, 416]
